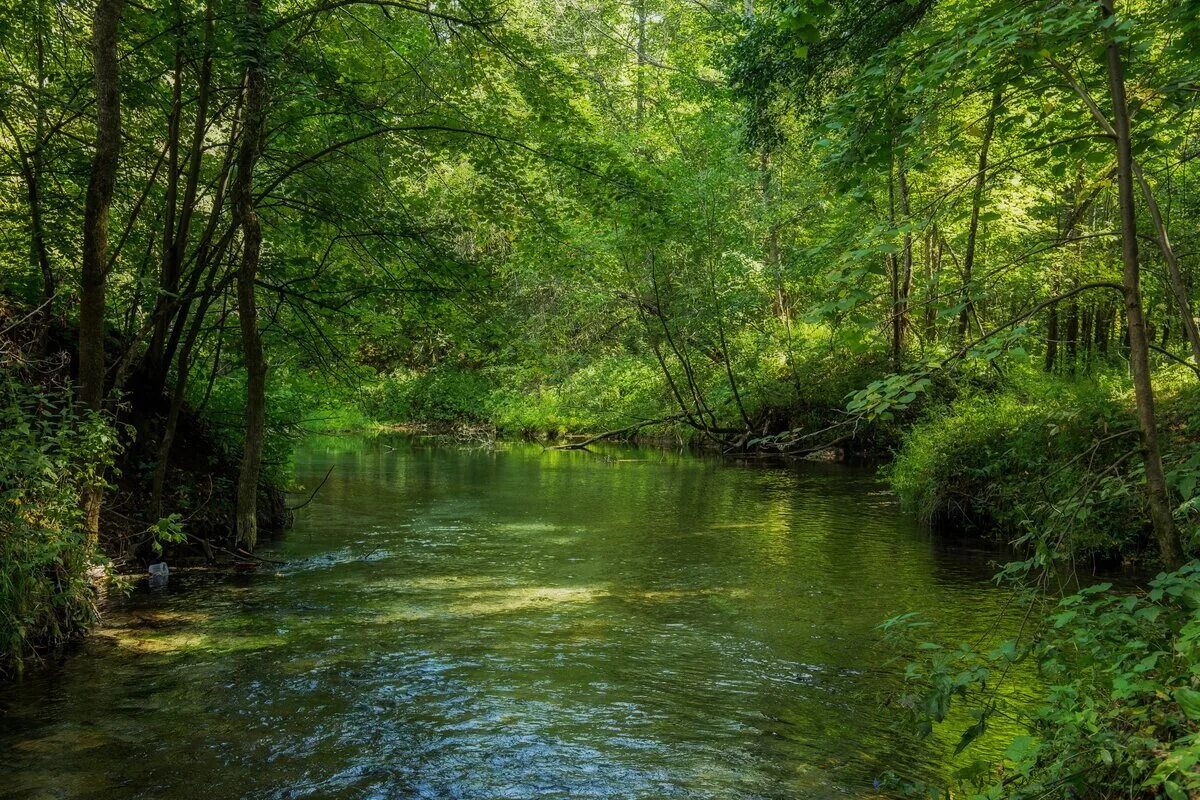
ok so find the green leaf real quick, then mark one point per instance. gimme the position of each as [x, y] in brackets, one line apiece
[1019, 747]
[971, 734]
[1189, 701]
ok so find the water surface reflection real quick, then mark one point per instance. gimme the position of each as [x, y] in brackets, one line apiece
[479, 624]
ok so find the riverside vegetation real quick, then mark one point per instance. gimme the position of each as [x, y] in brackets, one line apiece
[959, 237]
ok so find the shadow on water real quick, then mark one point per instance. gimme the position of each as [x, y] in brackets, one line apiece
[516, 623]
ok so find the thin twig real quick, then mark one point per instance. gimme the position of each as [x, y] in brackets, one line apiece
[314, 491]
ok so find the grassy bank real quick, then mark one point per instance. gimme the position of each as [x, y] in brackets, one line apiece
[1013, 453]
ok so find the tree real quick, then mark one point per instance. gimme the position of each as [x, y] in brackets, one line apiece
[105, 22]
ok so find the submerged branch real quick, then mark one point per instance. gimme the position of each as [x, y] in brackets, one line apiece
[629, 429]
[314, 492]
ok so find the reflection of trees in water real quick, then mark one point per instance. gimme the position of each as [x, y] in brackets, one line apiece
[656, 619]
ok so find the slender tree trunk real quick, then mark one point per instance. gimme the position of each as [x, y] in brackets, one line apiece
[37, 231]
[1051, 338]
[934, 281]
[179, 242]
[105, 21]
[40, 254]
[899, 269]
[31, 167]
[170, 313]
[1169, 545]
[247, 216]
[168, 279]
[906, 276]
[1085, 336]
[179, 395]
[968, 308]
[1072, 335]
[1174, 275]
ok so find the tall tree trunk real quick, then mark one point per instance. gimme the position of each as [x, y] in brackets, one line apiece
[935, 279]
[247, 216]
[179, 395]
[1169, 545]
[37, 231]
[37, 228]
[168, 280]
[179, 241]
[105, 22]
[964, 316]
[170, 312]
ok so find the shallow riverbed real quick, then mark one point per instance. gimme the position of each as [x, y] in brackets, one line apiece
[459, 623]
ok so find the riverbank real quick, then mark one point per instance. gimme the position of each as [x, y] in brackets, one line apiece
[56, 565]
[1018, 455]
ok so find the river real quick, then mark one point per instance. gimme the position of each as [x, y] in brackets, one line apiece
[477, 623]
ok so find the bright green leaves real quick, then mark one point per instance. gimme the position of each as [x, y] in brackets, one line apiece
[802, 19]
[1007, 342]
[884, 398]
[1121, 704]
[1020, 747]
[167, 530]
[1189, 701]
[51, 450]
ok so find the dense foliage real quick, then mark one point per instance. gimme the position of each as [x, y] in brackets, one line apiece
[49, 454]
[960, 233]
[1119, 715]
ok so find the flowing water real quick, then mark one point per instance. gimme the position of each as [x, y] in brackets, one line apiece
[455, 623]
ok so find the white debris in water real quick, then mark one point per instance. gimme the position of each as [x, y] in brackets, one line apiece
[159, 573]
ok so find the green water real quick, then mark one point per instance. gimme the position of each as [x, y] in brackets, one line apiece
[472, 624]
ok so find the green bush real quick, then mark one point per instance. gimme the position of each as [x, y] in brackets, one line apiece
[606, 394]
[1117, 713]
[441, 396]
[48, 453]
[1046, 465]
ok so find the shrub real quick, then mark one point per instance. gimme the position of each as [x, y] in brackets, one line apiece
[47, 454]
[442, 396]
[1054, 466]
[606, 394]
[1118, 710]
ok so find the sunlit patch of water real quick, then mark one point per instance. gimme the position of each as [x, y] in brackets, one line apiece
[516, 623]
